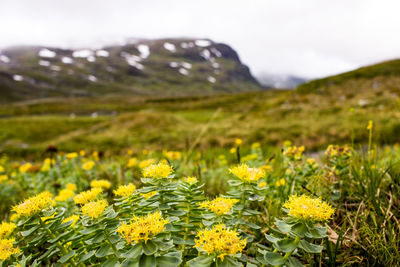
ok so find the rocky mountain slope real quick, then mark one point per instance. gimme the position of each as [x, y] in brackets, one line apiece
[164, 67]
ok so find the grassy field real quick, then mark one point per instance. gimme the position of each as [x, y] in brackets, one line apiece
[113, 124]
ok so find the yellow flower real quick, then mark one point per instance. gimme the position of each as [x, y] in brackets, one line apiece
[159, 170]
[280, 182]
[24, 168]
[82, 153]
[294, 152]
[145, 152]
[220, 240]
[250, 157]
[370, 125]
[172, 155]
[6, 229]
[255, 145]
[34, 204]
[219, 205]
[88, 165]
[72, 155]
[87, 196]
[1, 168]
[7, 248]
[132, 162]
[14, 217]
[149, 194]
[64, 195]
[337, 151]
[304, 207]
[262, 184]
[232, 150]
[142, 228]
[311, 161]
[94, 209]
[95, 155]
[130, 152]
[247, 174]
[190, 180]
[238, 141]
[266, 168]
[71, 187]
[3, 178]
[45, 168]
[144, 163]
[125, 190]
[287, 143]
[74, 218]
[100, 183]
[49, 161]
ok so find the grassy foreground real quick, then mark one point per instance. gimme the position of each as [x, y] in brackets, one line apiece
[243, 206]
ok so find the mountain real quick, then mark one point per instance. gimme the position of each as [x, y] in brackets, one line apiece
[280, 81]
[166, 67]
[384, 76]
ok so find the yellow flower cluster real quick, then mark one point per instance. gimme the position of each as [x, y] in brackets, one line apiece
[172, 155]
[262, 184]
[100, 184]
[25, 168]
[144, 163]
[95, 208]
[219, 205]
[64, 195]
[306, 208]
[190, 180]
[125, 190]
[74, 218]
[34, 204]
[72, 155]
[280, 182]
[220, 240]
[132, 162]
[88, 165]
[6, 229]
[3, 178]
[87, 196]
[7, 248]
[337, 151]
[370, 125]
[294, 152]
[1, 168]
[142, 228]
[247, 174]
[160, 170]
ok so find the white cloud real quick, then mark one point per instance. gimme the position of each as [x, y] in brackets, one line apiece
[310, 38]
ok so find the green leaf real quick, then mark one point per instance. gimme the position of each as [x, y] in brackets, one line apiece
[171, 259]
[293, 262]
[68, 256]
[271, 238]
[30, 231]
[299, 229]
[228, 262]
[113, 262]
[87, 256]
[131, 262]
[309, 247]
[282, 226]
[134, 252]
[252, 225]
[104, 250]
[150, 247]
[147, 261]
[201, 261]
[274, 258]
[286, 245]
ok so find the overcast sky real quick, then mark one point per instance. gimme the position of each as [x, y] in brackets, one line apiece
[308, 38]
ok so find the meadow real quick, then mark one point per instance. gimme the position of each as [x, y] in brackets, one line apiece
[246, 205]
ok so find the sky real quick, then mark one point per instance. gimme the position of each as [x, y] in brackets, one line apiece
[306, 38]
